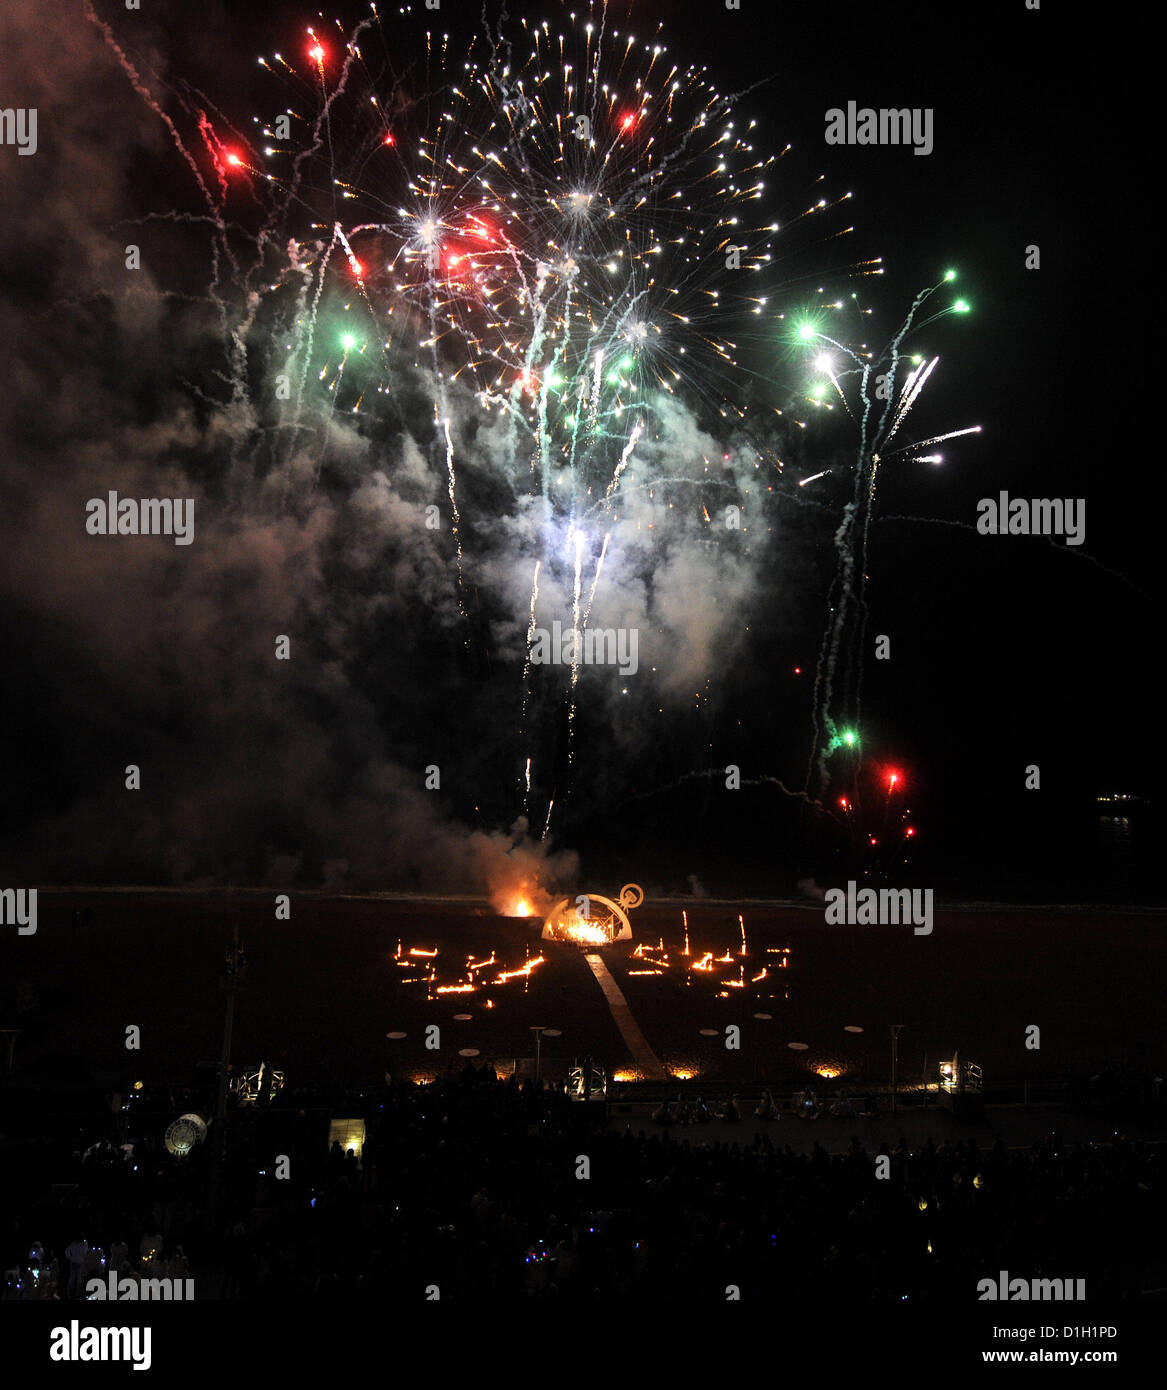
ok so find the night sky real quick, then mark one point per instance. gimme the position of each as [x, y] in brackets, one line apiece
[1006, 651]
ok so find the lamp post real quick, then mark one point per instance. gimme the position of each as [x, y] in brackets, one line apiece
[538, 1032]
[231, 979]
[9, 1035]
[895, 1042]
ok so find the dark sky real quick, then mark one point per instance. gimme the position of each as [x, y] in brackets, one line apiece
[1006, 651]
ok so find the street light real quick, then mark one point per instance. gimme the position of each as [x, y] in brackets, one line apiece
[895, 1042]
[538, 1032]
[231, 978]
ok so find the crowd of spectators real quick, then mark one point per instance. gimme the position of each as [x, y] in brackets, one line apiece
[476, 1188]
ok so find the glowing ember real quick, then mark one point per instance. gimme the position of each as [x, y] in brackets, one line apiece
[582, 933]
[523, 970]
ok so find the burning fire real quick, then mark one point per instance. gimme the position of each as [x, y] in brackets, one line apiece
[523, 970]
[583, 932]
[524, 898]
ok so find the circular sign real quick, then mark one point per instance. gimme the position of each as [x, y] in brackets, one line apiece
[852, 1028]
[468, 1052]
[798, 1047]
[462, 1018]
[395, 1035]
[767, 1017]
[553, 1032]
[184, 1133]
[709, 1032]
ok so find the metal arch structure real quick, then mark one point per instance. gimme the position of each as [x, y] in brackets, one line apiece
[592, 919]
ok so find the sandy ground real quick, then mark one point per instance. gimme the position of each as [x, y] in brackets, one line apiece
[325, 988]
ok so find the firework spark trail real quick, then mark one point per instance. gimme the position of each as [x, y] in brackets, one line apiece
[527, 658]
[338, 237]
[851, 541]
[457, 520]
[547, 822]
[310, 329]
[935, 439]
[442, 421]
[762, 780]
[576, 645]
[625, 459]
[911, 393]
[648, 487]
[579, 547]
[220, 245]
[821, 719]
[280, 212]
[236, 334]
[595, 397]
[534, 350]
[527, 677]
[325, 433]
[596, 577]
[1062, 549]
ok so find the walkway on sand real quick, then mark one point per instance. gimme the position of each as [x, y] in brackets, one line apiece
[647, 1062]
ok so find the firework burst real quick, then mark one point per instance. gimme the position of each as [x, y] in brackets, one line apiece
[555, 231]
